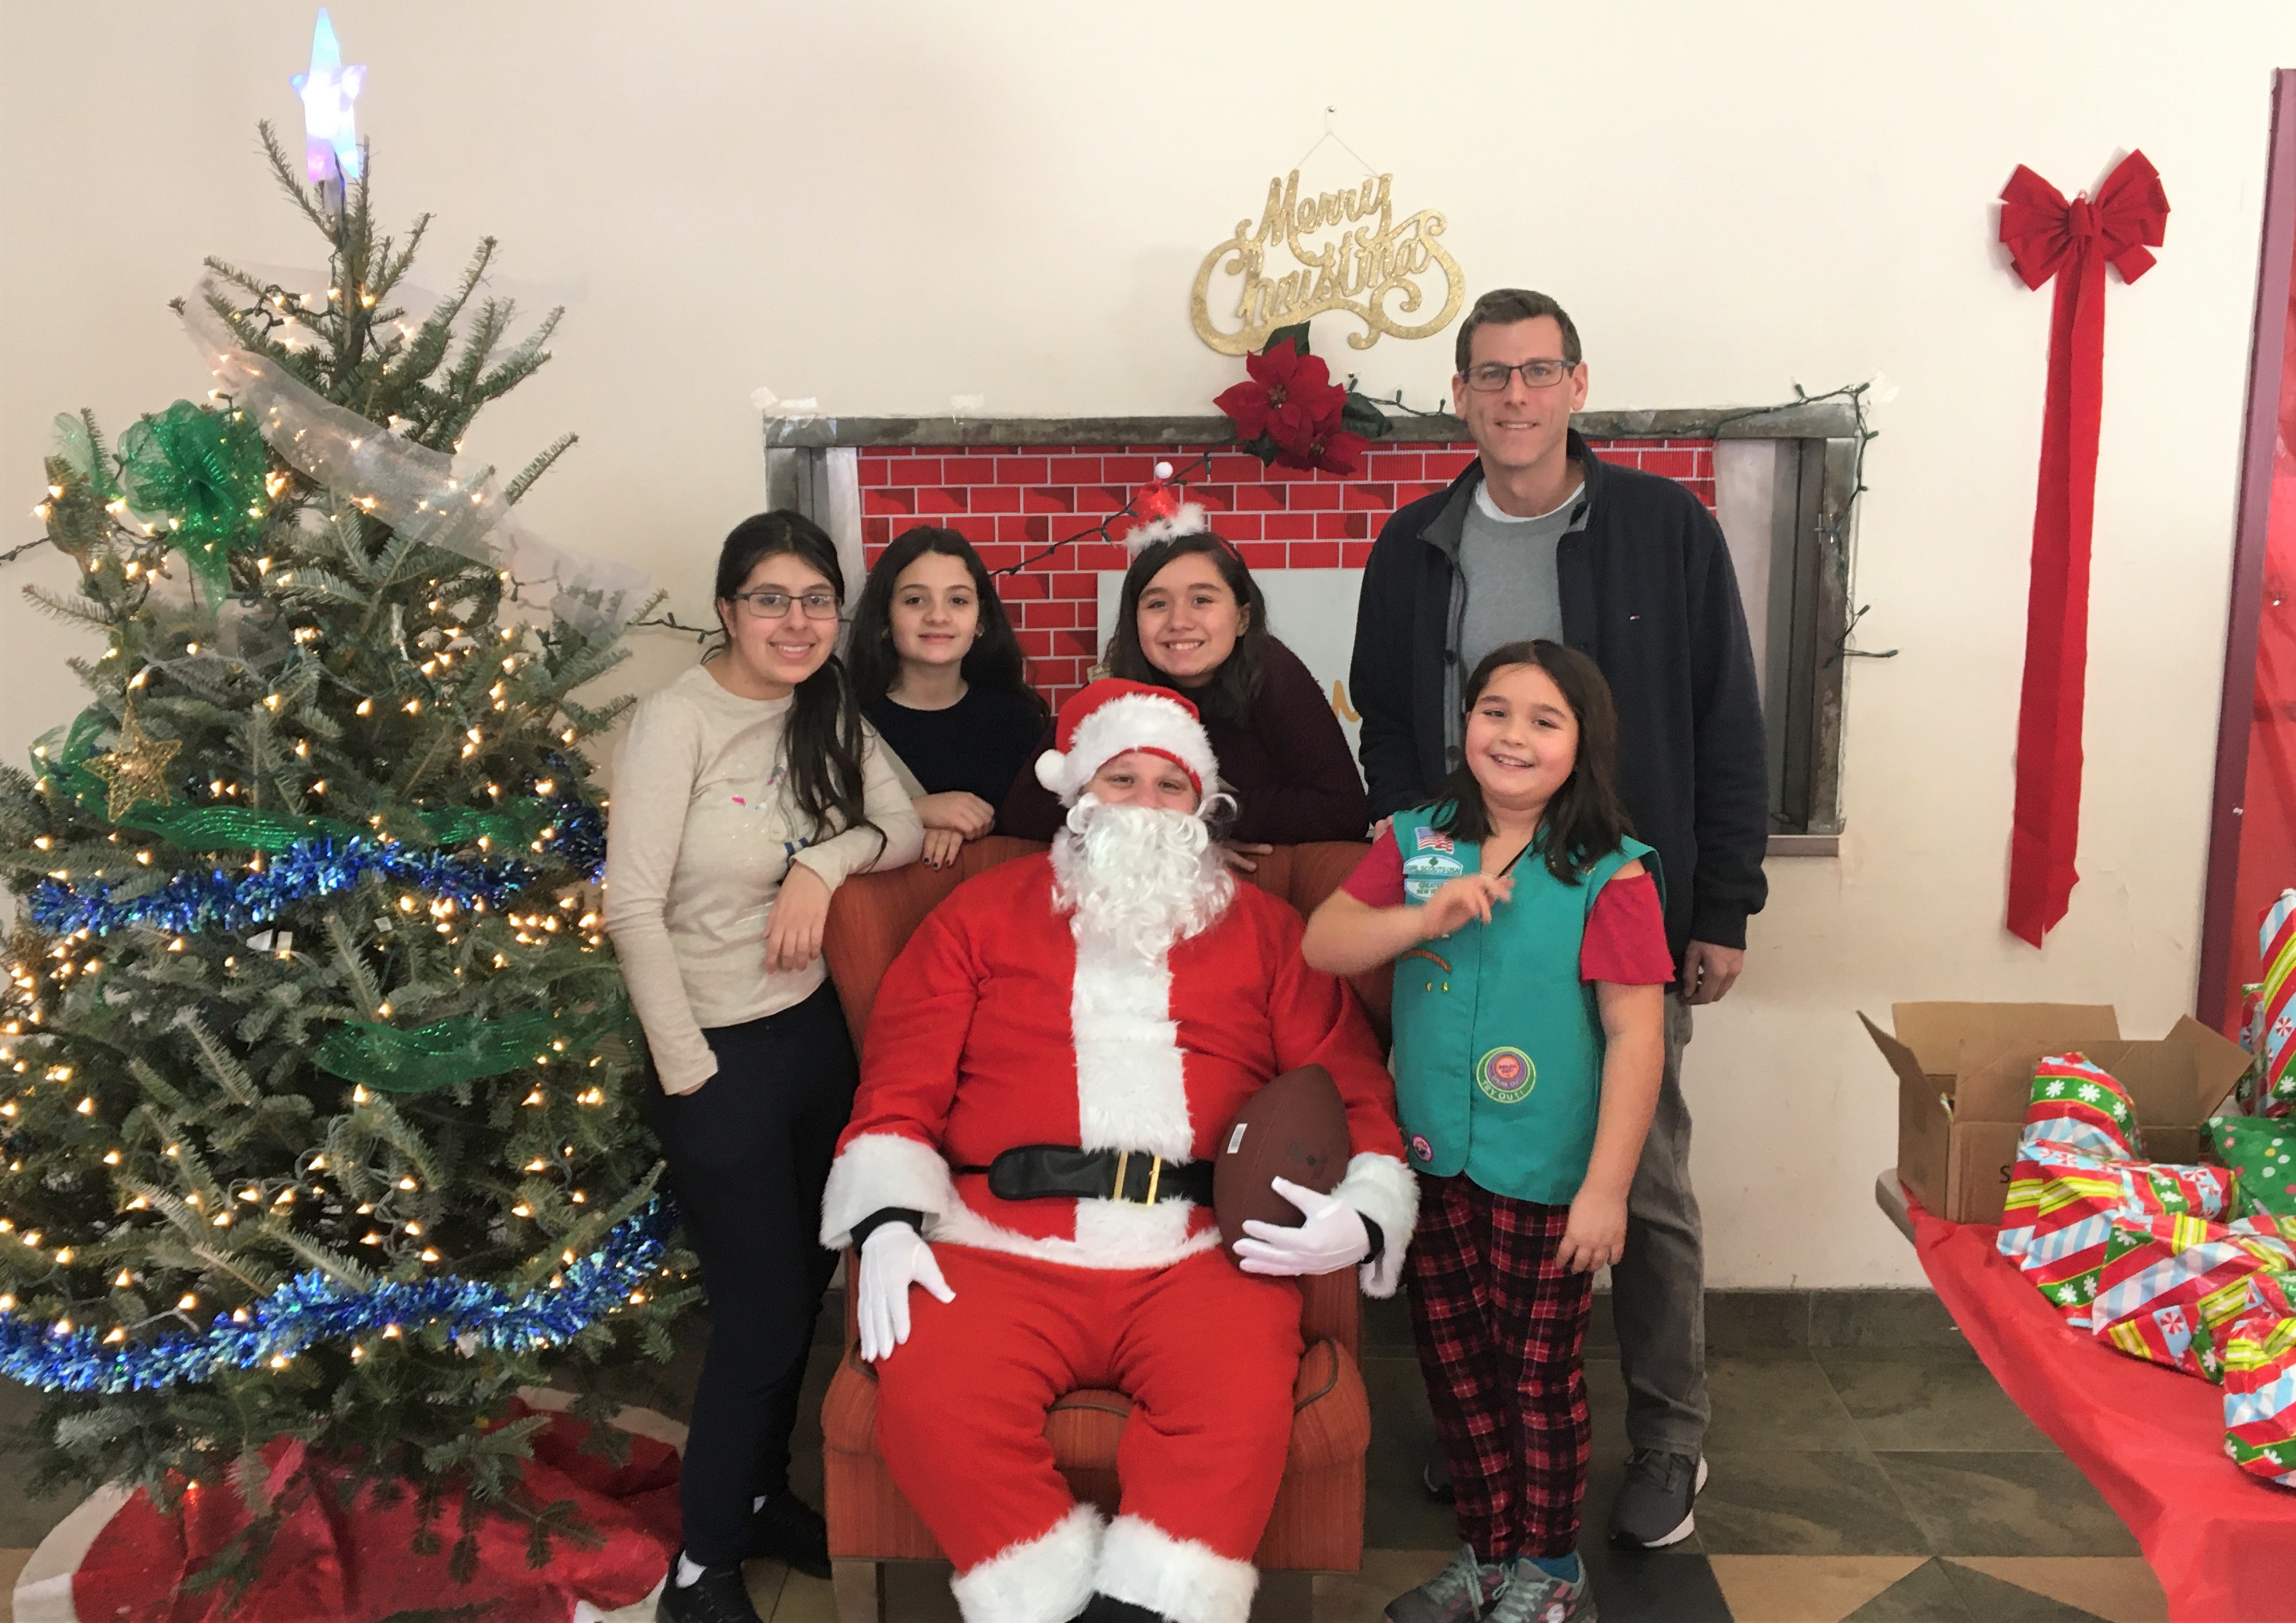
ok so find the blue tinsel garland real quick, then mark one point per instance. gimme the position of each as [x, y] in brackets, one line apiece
[236, 901]
[313, 1308]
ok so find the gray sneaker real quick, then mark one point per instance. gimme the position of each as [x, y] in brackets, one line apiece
[1531, 1596]
[1653, 1508]
[1456, 1595]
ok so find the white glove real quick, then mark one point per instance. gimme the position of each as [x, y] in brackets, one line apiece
[893, 1257]
[1332, 1237]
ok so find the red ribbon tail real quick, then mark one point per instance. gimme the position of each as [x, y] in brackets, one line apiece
[2046, 823]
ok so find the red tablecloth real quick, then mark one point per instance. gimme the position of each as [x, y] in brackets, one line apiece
[2222, 1544]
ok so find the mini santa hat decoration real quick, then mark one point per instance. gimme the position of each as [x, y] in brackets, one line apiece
[1162, 512]
[1103, 719]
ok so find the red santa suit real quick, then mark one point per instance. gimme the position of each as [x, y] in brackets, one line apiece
[997, 1028]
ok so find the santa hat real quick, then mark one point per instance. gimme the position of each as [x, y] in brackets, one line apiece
[1162, 512]
[1107, 717]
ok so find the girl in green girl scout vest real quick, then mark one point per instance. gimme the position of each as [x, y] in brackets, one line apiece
[1530, 969]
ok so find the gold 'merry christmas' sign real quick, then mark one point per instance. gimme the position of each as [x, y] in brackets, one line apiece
[1372, 259]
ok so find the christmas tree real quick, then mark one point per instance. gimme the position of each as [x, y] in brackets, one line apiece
[319, 1122]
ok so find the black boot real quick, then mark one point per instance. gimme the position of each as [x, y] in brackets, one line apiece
[1108, 1608]
[786, 1529]
[718, 1597]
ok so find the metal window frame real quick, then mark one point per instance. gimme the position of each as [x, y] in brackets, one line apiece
[1812, 515]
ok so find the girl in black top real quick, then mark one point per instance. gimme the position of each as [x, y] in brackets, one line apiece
[940, 676]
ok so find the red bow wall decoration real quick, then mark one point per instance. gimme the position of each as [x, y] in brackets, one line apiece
[2073, 242]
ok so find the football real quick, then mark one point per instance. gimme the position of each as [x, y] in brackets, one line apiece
[1294, 1127]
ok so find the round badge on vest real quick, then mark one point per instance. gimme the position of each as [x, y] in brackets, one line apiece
[1507, 1076]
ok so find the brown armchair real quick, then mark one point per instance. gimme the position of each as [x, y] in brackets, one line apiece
[1317, 1522]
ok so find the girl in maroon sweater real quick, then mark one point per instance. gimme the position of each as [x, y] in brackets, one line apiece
[1192, 618]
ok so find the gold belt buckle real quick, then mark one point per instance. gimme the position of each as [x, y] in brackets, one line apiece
[1155, 1175]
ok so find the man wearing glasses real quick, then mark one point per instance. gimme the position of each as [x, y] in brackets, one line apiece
[1540, 539]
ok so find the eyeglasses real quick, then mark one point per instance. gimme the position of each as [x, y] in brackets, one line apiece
[1489, 377]
[770, 605]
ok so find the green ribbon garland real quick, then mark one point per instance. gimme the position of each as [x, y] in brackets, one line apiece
[237, 828]
[218, 828]
[463, 1049]
[204, 469]
[516, 825]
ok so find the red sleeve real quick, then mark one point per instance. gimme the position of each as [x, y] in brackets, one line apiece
[1378, 878]
[917, 1032]
[889, 1154]
[1625, 942]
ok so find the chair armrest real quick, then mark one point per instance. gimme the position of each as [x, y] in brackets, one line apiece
[1331, 1309]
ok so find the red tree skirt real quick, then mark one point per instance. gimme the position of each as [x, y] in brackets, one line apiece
[118, 1559]
[2150, 1439]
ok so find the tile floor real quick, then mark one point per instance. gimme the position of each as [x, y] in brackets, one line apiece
[1865, 1467]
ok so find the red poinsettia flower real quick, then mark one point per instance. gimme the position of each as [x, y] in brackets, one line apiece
[1290, 398]
[1333, 449]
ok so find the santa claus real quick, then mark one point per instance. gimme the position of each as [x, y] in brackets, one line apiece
[1051, 1063]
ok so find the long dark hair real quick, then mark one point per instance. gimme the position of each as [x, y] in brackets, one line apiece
[1233, 687]
[1586, 820]
[993, 661]
[822, 744]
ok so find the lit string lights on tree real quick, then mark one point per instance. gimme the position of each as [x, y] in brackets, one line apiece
[312, 1308]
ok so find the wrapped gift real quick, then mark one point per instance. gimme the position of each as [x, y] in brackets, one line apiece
[2078, 1122]
[2170, 1286]
[2262, 1150]
[2074, 1210]
[2188, 1192]
[2038, 1166]
[2265, 1222]
[2078, 1108]
[2247, 1093]
[2275, 1019]
[2075, 1206]
[2260, 1391]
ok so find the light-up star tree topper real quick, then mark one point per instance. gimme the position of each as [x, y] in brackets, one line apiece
[331, 149]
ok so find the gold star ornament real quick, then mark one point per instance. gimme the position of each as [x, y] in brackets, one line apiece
[136, 769]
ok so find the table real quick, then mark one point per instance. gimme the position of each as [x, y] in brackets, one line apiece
[2151, 1439]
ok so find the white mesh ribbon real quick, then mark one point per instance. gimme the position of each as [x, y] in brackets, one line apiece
[409, 486]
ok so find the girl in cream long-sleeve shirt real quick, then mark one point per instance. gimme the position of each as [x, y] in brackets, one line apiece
[746, 793]
[704, 832]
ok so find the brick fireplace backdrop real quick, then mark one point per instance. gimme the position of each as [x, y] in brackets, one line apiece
[1012, 501]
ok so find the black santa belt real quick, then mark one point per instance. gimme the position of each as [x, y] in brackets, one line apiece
[1049, 1172]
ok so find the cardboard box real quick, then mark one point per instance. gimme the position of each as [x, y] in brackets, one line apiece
[1966, 1076]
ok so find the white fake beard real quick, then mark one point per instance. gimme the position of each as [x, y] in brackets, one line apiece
[1137, 876]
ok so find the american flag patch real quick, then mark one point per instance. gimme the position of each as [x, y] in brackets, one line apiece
[1435, 840]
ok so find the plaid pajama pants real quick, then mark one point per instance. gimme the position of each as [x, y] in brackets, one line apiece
[1501, 1325]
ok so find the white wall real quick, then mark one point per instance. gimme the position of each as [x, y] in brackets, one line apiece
[883, 205]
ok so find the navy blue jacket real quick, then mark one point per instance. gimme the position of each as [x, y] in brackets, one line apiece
[1648, 592]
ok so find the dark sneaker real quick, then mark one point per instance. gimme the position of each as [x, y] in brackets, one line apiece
[786, 1529]
[1435, 1477]
[1458, 1593]
[1654, 1509]
[718, 1597]
[1531, 1596]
